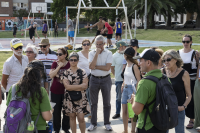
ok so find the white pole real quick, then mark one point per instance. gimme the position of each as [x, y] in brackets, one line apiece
[67, 23]
[83, 3]
[106, 3]
[27, 23]
[145, 16]
[74, 7]
[77, 24]
[135, 23]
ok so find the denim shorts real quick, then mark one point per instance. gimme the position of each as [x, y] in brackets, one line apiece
[126, 94]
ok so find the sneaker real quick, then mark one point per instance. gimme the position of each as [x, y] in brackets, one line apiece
[111, 46]
[91, 127]
[129, 120]
[107, 47]
[108, 127]
[116, 116]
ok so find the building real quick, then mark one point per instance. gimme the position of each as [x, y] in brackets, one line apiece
[7, 7]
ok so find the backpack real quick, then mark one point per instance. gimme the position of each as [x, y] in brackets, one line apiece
[122, 74]
[77, 95]
[18, 115]
[164, 115]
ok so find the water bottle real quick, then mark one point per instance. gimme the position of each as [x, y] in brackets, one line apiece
[30, 127]
[50, 124]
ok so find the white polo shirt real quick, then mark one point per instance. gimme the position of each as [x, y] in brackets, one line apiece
[14, 69]
[102, 59]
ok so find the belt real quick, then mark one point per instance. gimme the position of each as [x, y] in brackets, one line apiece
[101, 77]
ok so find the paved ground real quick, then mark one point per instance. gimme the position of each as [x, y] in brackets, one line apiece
[62, 41]
[116, 124]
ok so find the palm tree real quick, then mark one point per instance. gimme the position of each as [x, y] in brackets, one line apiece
[162, 7]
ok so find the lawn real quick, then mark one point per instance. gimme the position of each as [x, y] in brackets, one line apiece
[5, 55]
[150, 34]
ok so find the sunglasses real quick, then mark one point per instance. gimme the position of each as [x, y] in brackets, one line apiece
[20, 47]
[44, 46]
[59, 54]
[29, 52]
[73, 60]
[185, 41]
[86, 44]
[168, 60]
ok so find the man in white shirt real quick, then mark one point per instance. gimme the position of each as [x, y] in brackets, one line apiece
[116, 70]
[100, 61]
[13, 68]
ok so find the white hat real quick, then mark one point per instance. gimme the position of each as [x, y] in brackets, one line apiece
[14, 43]
[35, 23]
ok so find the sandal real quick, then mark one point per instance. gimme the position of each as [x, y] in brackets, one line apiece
[190, 125]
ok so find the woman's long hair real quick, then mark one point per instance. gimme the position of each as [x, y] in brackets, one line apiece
[130, 58]
[31, 82]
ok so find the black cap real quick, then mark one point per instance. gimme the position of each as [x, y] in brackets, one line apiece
[149, 54]
[129, 51]
[134, 42]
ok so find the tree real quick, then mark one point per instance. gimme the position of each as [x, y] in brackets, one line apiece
[20, 13]
[163, 7]
[58, 7]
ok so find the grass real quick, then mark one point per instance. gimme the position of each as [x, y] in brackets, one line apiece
[6, 54]
[150, 34]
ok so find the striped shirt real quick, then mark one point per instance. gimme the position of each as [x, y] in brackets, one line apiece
[47, 60]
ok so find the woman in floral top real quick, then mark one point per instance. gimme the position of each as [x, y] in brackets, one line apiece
[75, 80]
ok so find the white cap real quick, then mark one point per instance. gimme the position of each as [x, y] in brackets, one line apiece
[35, 23]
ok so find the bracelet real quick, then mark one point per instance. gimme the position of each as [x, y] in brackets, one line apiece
[184, 106]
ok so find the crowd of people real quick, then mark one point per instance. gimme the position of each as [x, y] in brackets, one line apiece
[73, 82]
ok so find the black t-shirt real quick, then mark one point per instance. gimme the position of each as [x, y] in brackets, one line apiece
[14, 29]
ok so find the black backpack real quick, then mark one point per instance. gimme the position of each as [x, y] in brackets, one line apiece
[164, 115]
[122, 74]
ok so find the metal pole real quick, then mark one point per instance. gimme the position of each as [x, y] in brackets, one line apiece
[27, 24]
[126, 25]
[74, 7]
[67, 23]
[77, 24]
[135, 23]
[145, 16]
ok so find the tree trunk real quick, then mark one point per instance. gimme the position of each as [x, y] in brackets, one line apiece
[169, 19]
[198, 15]
[130, 21]
[152, 23]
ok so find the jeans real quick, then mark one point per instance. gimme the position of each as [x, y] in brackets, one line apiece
[181, 120]
[126, 94]
[118, 96]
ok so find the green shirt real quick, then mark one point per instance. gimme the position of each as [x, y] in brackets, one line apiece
[36, 108]
[146, 93]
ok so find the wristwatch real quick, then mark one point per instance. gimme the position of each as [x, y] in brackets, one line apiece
[184, 106]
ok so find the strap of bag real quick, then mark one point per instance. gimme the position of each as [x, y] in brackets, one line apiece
[13, 90]
[36, 123]
[194, 56]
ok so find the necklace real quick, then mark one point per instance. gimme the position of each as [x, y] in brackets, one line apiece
[173, 74]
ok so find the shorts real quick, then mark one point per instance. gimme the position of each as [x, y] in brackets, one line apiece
[45, 32]
[14, 33]
[71, 33]
[126, 94]
[109, 36]
[88, 29]
[118, 34]
[31, 35]
[99, 33]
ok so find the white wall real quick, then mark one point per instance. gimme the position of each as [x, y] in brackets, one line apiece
[49, 1]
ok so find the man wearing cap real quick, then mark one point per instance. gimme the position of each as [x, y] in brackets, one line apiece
[14, 66]
[116, 69]
[47, 56]
[135, 46]
[70, 30]
[32, 31]
[146, 90]
[100, 61]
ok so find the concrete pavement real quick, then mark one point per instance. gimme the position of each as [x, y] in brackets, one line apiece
[117, 124]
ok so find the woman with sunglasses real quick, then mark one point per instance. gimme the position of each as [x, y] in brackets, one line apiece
[75, 102]
[127, 87]
[180, 80]
[57, 90]
[190, 59]
[83, 63]
[32, 52]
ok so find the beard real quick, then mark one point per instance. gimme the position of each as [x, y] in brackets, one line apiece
[45, 51]
[18, 53]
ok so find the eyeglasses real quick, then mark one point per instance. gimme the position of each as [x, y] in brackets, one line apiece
[86, 44]
[73, 60]
[99, 44]
[29, 52]
[44, 46]
[59, 54]
[168, 60]
[185, 41]
[20, 47]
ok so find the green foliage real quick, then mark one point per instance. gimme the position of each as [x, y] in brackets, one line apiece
[58, 7]
[20, 13]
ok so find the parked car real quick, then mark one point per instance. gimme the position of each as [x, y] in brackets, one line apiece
[190, 24]
[176, 24]
[160, 23]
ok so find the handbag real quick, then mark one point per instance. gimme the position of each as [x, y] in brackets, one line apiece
[77, 95]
